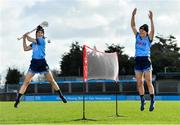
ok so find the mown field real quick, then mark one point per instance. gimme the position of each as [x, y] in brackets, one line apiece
[99, 112]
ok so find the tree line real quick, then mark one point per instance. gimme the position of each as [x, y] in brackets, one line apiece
[165, 55]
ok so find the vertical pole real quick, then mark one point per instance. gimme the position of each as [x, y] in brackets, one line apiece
[117, 86]
[85, 76]
[84, 91]
[117, 99]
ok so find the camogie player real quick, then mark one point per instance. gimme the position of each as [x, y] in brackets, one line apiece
[38, 64]
[143, 66]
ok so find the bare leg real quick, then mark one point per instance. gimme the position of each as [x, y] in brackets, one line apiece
[148, 77]
[27, 80]
[23, 88]
[140, 87]
[140, 82]
[55, 86]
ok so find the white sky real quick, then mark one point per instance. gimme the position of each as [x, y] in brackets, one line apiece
[90, 22]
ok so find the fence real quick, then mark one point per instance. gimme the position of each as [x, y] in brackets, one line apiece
[165, 84]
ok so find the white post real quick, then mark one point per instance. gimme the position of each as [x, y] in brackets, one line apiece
[165, 69]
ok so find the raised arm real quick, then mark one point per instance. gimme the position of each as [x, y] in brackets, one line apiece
[31, 39]
[133, 25]
[151, 34]
[25, 46]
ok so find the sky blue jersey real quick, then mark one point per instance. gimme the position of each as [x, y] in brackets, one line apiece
[38, 49]
[142, 46]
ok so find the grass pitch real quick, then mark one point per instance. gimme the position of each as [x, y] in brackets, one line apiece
[102, 112]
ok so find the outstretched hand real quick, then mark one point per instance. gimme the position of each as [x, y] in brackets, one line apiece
[150, 14]
[134, 11]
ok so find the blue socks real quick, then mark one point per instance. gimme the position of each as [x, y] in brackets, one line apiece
[143, 102]
[17, 101]
[151, 108]
[61, 96]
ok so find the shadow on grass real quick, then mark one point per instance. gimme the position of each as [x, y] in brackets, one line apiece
[84, 119]
[117, 116]
[74, 120]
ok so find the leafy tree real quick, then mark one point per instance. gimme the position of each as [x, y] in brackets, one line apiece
[126, 64]
[13, 76]
[71, 64]
[165, 54]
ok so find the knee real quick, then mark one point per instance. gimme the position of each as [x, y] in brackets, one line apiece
[149, 85]
[139, 82]
[149, 81]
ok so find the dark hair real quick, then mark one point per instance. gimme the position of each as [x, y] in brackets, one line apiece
[144, 27]
[40, 28]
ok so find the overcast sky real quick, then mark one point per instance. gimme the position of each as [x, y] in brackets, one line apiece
[90, 22]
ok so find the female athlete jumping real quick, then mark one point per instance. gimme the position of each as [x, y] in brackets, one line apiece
[38, 64]
[143, 66]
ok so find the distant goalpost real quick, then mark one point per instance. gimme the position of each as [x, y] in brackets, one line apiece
[99, 65]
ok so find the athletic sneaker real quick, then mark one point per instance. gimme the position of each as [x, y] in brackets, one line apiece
[16, 103]
[143, 102]
[151, 108]
[63, 99]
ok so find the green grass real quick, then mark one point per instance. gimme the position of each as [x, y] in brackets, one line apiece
[103, 112]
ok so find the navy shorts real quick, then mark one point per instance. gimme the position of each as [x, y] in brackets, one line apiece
[143, 64]
[38, 66]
